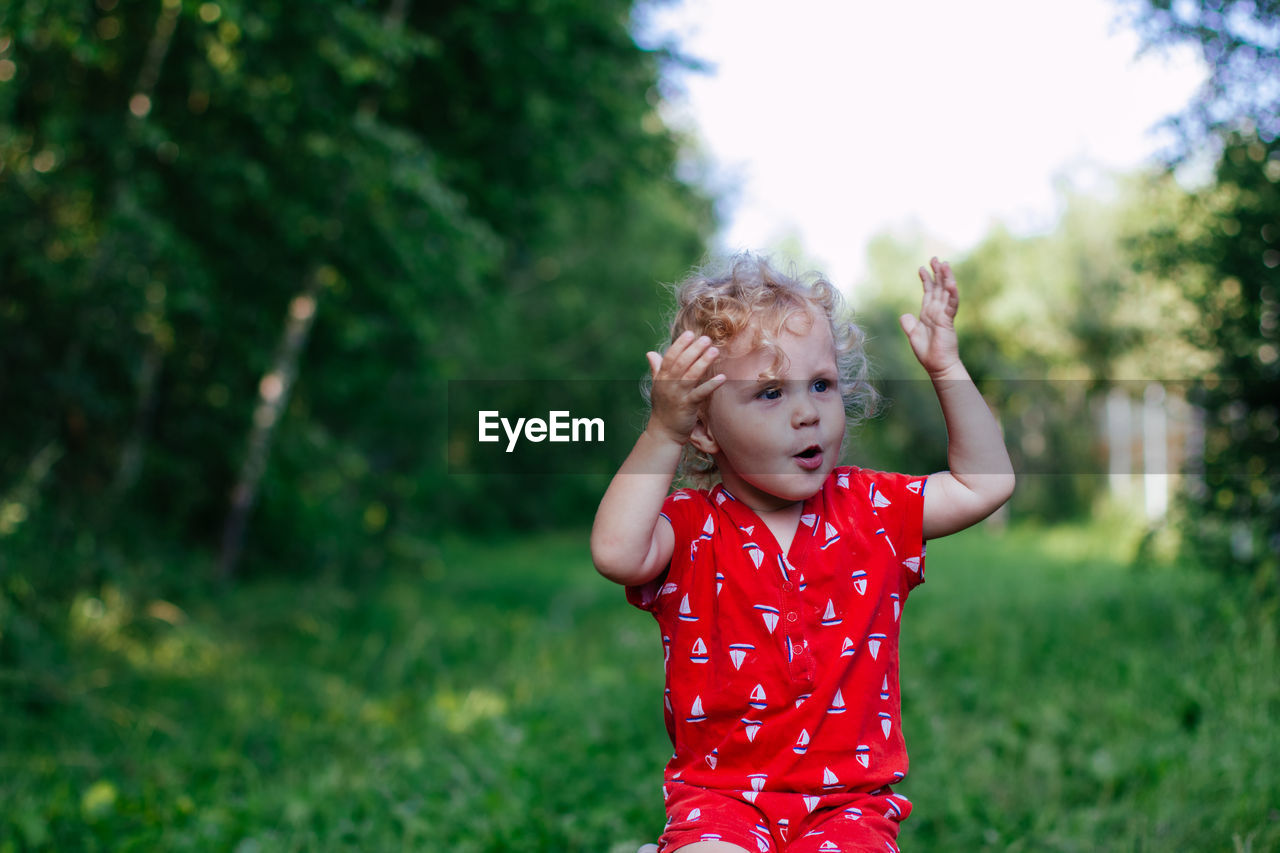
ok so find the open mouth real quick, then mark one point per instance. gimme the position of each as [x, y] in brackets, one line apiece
[810, 458]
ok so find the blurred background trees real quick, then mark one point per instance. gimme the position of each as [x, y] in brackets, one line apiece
[433, 191]
[239, 232]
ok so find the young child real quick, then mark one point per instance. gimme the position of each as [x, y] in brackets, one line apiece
[779, 591]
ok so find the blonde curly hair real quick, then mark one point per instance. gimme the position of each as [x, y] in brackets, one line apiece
[747, 295]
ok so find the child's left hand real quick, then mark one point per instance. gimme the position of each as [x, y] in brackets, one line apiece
[933, 334]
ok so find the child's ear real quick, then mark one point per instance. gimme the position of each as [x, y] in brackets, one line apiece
[702, 438]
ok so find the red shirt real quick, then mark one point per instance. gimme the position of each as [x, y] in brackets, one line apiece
[782, 672]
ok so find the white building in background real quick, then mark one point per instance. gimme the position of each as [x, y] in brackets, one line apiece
[1151, 432]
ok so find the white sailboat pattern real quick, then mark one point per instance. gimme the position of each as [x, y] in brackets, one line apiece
[752, 727]
[829, 617]
[770, 616]
[784, 826]
[801, 699]
[757, 781]
[828, 847]
[738, 653]
[912, 564]
[873, 644]
[783, 565]
[721, 497]
[802, 743]
[886, 723]
[810, 519]
[878, 500]
[833, 536]
[897, 606]
[853, 813]
[863, 755]
[842, 480]
[837, 704]
[847, 648]
[668, 588]
[894, 812]
[686, 612]
[884, 689]
[829, 779]
[810, 803]
[758, 699]
[915, 486]
[755, 552]
[698, 654]
[694, 815]
[713, 758]
[860, 581]
[719, 582]
[681, 495]
[696, 714]
[762, 842]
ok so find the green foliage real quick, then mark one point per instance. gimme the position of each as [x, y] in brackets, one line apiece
[502, 697]
[1224, 254]
[1223, 250]
[479, 189]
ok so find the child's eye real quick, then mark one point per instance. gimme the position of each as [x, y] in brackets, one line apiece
[770, 393]
[821, 385]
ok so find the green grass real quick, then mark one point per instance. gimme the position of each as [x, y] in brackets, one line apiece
[501, 696]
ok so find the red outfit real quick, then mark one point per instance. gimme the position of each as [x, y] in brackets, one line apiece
[782, 671]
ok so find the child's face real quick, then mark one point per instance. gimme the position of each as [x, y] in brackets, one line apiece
[776, 438]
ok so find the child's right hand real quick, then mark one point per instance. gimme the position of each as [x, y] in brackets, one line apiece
[678, 391]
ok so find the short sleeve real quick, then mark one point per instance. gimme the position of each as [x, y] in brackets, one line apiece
[898, 503]
[679, 509]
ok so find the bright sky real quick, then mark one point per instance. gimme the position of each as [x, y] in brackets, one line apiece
[833, 120]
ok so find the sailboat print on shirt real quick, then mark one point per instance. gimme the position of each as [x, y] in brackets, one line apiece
[802, 743]
[884, 689]
[708, 528]
[757, 699]
[829, 779]
[738, 653]
[873, 644]
[829, 617]
[877, 497]
[832, 536]
[686, 613]
[770, 615]
[699, 652]
[810, 519]
[696, 714]
[847, 648]
[915, 487]
[860, 581]
[912, 564]
[886, 723]
[755, 552]
[842, 480]
[863, 755]
[752, 726]
[837, 704]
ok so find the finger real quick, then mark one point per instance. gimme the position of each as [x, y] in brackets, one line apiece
[704, 390]
[655, 363]
[908, 323]
[704, 362]
[679, 359]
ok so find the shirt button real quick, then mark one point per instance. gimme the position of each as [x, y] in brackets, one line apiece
[792, 616]
[797, 650]
[787, 586]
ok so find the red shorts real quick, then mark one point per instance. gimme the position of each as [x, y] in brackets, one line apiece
[777, 822]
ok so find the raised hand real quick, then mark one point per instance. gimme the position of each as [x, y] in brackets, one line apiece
[678, 387]
[933, 334]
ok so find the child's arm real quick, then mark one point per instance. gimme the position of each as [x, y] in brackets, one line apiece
[630, 543]
[980, 478]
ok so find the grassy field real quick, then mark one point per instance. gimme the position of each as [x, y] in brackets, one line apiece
[500, 696]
